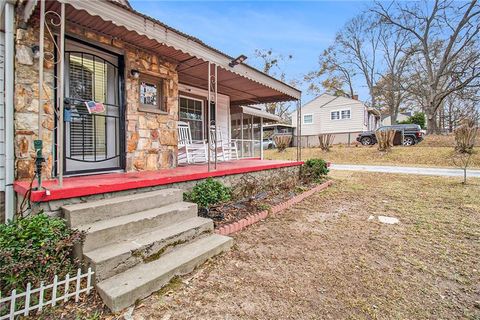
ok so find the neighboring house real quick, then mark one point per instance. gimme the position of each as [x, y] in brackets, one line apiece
[343, 117]
[115, 85]
[402, 116]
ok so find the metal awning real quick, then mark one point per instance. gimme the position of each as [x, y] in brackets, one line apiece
[260, 113]
[244, 84]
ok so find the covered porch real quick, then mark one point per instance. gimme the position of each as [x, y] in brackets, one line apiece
[116, 84]
[84, 186]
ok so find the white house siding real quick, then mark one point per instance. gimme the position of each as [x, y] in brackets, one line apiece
[345, 130]
[387, 121]
[223, 108]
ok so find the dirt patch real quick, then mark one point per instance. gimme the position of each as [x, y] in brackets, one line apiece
[323, 258]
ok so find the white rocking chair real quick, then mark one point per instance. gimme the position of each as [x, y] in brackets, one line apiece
[190, 151]
[226, 150]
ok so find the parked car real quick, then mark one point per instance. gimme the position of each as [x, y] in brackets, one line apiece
[412, 134]
[267, 143]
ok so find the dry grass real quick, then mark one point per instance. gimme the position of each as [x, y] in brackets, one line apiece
[401, 156]
[323, 258]
[434, 151]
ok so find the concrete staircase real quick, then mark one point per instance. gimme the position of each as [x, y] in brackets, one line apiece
[137, 243]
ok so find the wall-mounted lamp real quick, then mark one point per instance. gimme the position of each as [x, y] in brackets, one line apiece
[36, 51]
[237, 60]
[135, 73]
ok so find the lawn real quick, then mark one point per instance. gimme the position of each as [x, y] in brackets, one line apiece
[324, 259]
[400, 156]
[434, 151]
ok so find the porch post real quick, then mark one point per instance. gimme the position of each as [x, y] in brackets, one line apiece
[208, 115]
[241, 133]
[261, 138]
[40, 68]
[216, 114]
[61, 96]
[299, 130]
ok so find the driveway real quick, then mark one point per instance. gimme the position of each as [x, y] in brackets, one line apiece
[407, 170]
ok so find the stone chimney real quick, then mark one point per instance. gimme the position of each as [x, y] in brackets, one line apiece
[355, 97]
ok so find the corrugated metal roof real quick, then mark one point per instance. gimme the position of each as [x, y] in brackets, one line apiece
[242, 88]
[260, 113]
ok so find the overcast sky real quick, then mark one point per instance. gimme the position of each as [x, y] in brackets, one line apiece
[302, 29]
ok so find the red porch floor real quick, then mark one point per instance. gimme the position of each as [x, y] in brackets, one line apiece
[95, 184]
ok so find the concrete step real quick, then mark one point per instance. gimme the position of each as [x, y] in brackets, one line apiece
[103, 233]
[124, 289]
[90, 212]
[118, 257]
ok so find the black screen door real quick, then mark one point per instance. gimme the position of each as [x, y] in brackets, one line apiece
[93, 113]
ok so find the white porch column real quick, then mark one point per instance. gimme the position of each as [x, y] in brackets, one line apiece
[9, 107]
[261, 138]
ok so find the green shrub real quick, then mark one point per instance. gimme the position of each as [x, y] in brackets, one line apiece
[417, 118]
[314, 170]
[208, 193]
[34, 249]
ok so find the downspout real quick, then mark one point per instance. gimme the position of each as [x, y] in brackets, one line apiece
[9, 133]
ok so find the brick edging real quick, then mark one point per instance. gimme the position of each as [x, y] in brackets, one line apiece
[241, 224]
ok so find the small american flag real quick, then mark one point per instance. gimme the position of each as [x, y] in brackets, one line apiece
[95, 107]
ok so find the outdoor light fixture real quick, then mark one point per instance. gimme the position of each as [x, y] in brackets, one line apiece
[237, 60]
[135, 73]
[36, 51]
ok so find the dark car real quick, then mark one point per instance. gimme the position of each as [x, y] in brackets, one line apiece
[412, 134]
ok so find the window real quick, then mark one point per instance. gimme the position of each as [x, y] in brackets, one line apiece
[151, 94]
[335, 115]
[191, 111]
[346, 114]
[308, 119]
[340, 114]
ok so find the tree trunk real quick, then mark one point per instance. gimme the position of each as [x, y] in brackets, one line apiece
[394, 117]
[432, 124]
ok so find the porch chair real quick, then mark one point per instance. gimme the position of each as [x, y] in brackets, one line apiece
[228, 149]
[190, 151]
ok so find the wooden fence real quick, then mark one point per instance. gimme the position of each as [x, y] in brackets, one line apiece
[45, 295]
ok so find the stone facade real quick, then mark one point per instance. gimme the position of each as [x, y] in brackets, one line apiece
[150, 137]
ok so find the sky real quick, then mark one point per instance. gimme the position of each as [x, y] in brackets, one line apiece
[302, 29]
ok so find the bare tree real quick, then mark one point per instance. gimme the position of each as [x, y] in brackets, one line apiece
[390, 89]
[335, 74]
[451, 26]
[359, 40]
[272, 64]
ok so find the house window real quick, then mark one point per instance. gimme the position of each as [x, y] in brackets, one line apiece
[335, 115]
[191, 111]
[346, 114]
[307, 119]
[151, 94]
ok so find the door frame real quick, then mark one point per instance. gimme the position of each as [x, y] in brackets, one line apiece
[121, 120]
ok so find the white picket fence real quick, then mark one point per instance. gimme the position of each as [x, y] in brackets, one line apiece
[57, 295]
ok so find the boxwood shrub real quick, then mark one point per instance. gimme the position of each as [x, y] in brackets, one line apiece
[34, 249]
[209, 192]
[314, 170]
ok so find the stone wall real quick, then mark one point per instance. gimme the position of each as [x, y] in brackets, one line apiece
[26, 103]
[53, 208]
[151, 138]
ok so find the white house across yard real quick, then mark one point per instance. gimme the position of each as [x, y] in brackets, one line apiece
[341, 116]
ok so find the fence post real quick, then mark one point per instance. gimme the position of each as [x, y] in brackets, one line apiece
[77, 286]
[27, 299]
[89, 279]
[40, 303]
[13, 297]
[54, 290]
[67, 285]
